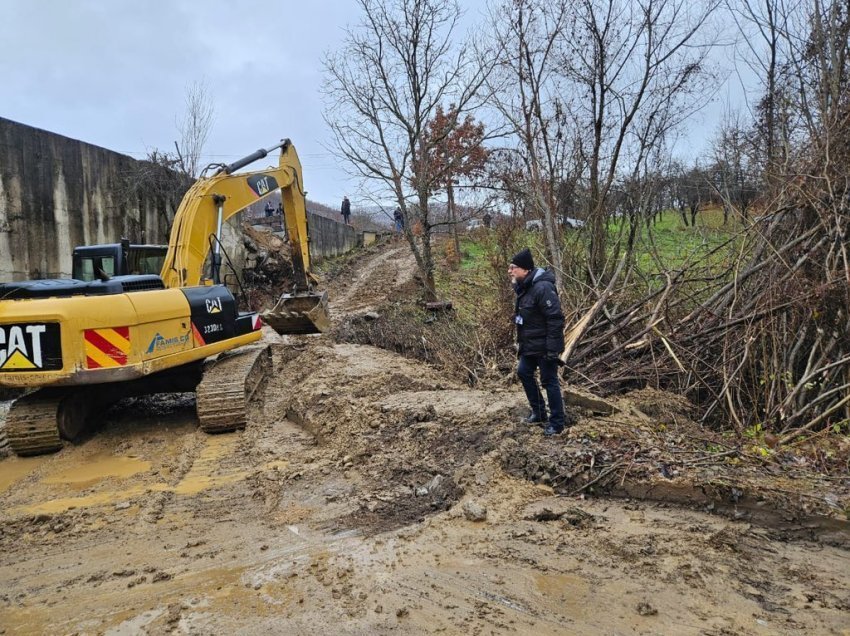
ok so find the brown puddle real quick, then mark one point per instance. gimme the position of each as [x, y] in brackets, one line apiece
[568, 592]
[97, 468]
[15, 468]
[206, 473]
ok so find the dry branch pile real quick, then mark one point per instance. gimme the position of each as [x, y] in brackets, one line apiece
[765, 347]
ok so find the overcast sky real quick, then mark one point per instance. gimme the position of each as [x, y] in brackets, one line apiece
[114, 73]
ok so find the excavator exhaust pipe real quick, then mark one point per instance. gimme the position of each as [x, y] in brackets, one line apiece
[299, 313]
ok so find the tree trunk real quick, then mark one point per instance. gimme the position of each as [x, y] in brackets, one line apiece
[598, 242]
[453, 217]
[427, 254]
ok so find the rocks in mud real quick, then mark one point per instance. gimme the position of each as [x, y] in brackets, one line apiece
[419, 413]
[122, 505]
[585, 400]
[474, 511]
[123, 573]
[545, 514]
[645, 609]
[439, 487]
[575, 517]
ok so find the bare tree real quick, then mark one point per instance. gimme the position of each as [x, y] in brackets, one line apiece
[194, 127]
[760, 336]
[735, 173]
[636, 64]
[592, 88]
[529, 94]
[761, 24]
[156, 181]
[394, 69]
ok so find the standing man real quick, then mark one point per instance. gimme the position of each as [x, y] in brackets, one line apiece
[540, 336]
[345, 210]
[398, 217]
[269, 208]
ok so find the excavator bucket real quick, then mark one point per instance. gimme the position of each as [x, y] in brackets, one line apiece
[299, 313]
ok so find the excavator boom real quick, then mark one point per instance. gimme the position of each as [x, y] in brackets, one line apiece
[213, 200]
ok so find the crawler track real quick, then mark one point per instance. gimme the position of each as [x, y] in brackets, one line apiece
[31, 424]
[227, 388]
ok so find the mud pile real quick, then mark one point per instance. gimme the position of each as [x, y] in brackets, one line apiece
[268, 271]
[418, 440]
[411, 433]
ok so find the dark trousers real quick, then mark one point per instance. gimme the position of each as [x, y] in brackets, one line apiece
[549, 379]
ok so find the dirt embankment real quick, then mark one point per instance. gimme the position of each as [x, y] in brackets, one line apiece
[370, 494]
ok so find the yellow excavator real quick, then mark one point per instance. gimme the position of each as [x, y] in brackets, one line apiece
[87, 344]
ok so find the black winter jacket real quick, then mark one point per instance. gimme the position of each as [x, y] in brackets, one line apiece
[538, 317]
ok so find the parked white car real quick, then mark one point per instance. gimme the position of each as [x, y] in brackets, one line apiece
[473, 224]
[536, 225]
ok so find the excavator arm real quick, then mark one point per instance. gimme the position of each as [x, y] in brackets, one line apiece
[213, 200]
[196, 233]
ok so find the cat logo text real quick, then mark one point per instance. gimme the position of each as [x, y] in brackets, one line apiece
[30, 347]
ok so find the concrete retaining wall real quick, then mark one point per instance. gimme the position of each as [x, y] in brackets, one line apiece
[57, 193]
[329, 238]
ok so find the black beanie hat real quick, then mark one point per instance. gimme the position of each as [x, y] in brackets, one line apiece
[523, 259]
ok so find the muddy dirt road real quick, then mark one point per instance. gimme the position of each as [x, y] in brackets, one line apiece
[347, 507]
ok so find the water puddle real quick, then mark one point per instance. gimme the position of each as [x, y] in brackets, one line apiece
[15, 468]
[206, 473]
[56, 506]
[97, 468]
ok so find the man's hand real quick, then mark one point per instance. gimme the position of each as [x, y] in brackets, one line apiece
[555, 357]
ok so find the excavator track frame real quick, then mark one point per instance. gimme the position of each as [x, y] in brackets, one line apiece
[40, 422]
[222, 403]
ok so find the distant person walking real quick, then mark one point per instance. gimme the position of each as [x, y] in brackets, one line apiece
[540, 336]
[487, 220]
[345, 210]
[398, 217]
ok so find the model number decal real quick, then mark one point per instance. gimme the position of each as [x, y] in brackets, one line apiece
[214, 328]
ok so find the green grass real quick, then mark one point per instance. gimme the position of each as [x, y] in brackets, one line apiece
[670, 245]
[473, 254]
[667, 245]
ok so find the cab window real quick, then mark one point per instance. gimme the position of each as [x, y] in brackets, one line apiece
[90, 265]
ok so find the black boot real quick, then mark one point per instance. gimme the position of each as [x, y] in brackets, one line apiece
[536, 418]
